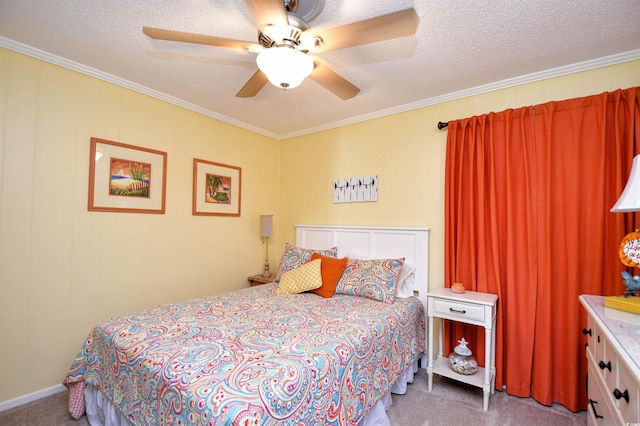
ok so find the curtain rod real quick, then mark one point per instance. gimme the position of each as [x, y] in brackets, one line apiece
[442, 125]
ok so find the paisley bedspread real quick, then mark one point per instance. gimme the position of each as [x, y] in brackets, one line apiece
[251, 357]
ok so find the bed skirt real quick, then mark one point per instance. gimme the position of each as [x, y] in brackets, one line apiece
[101, 412]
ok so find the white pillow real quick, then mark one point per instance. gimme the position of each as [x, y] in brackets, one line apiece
[407, 280]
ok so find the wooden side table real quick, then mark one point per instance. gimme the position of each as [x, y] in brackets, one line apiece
[470, 307]
[259, 279]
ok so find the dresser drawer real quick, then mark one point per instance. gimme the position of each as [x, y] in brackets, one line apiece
[608, 363]
[600, 412]
[596, 341]
[459, 311]
[627, 387]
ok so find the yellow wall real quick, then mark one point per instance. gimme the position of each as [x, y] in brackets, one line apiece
[63, 269]
[407, 152]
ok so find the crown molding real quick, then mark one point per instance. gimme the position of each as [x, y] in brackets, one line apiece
[473, 91]
[516, 81]
[83, 69]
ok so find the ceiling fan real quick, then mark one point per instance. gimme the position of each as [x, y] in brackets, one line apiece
[285, 41]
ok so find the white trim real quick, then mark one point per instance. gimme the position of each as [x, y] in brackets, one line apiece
[364, 227]
[83, 69]
[503, 84]
[30, 397]
[510, 82]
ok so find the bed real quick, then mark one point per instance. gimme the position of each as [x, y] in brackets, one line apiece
[254, 356]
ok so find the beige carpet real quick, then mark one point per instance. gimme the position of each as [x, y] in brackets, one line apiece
[455, 403]
[450, 403]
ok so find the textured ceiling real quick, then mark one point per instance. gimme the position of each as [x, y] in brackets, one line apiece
[460, 46]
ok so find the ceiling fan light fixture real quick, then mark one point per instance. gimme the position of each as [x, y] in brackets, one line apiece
[284, 66]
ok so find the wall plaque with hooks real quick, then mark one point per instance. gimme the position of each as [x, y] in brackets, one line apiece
[361, 189]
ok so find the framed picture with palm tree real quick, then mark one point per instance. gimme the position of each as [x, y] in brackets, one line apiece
[216, 188]
[126, 178]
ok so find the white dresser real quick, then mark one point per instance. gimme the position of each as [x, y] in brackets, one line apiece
[613, 353]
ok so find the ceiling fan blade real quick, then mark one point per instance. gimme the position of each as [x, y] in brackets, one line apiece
[253, 85]
[331, 81]
[160, 34]
[386, 27]
[268, 12]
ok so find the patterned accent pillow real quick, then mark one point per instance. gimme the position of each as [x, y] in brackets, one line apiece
[407, 280]
[294, 257]
[376, 278]
[305, 278]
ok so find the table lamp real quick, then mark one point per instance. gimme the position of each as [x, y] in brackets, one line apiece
[629, 251]
[266, 231]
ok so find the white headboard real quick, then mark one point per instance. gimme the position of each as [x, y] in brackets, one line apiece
[374, 241]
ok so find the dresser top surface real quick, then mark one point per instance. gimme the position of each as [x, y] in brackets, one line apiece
[626, 334]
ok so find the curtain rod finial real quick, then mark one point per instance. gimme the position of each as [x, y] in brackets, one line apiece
[442, 125]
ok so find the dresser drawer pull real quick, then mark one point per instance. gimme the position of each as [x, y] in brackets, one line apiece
[458, 311]
[593, 408]
[602, 366]
[618, 394]
[585, 331]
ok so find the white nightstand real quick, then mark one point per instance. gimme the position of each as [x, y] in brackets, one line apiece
[470, 307]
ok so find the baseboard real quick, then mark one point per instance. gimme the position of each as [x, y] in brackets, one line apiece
[25, 399]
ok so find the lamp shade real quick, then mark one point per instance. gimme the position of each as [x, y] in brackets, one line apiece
[284, 66]
[266, 225]
[629, 201]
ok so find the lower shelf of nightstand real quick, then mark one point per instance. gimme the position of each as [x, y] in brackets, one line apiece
[441, 368]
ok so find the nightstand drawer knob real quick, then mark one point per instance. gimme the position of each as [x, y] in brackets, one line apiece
[618, 394]
[458, 311]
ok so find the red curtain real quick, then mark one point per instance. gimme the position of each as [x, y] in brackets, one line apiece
[527, 199]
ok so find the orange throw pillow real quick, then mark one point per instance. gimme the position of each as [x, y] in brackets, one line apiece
[331, 270]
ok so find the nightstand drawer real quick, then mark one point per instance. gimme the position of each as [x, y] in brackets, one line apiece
[463, 311]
